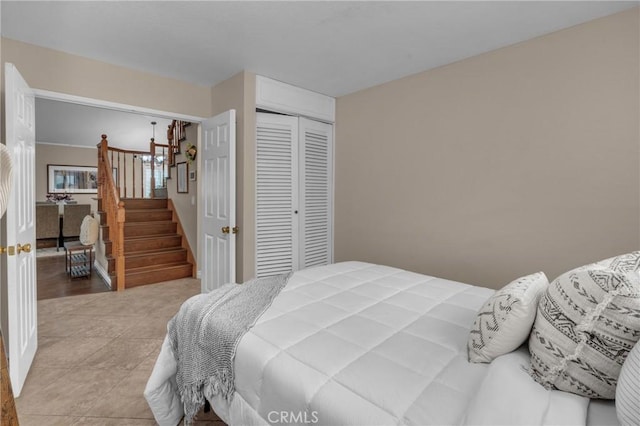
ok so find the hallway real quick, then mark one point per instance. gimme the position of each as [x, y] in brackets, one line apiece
[53, 281]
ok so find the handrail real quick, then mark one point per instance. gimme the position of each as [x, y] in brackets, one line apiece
[127, 151]
[133, 165]
[114, 208]
[111, 185]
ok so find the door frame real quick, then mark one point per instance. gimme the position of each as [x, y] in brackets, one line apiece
[132, 109]
[100, 103]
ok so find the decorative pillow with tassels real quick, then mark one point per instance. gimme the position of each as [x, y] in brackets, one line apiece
[504, 321]
[587, 322]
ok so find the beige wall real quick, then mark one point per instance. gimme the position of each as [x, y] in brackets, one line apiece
[57, 71]
[186, 204]
[522, 159]
[238, 93]
[66, 156]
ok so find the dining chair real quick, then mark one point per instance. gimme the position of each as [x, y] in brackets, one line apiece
[48, 222]
[72, 219]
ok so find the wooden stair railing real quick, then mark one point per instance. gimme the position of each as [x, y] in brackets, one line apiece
[160, 151]
[128, 170]
[176, 133]
[113, 207]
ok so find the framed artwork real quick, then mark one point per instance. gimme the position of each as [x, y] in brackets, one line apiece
[183, 183]
[192, 175]
[72, 179]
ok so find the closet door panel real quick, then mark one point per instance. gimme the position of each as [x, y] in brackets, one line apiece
[276, 194]
[316, 177]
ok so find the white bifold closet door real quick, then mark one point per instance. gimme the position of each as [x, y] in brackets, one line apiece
[294, 190]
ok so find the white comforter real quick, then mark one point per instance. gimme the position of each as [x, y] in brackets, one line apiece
[361, 344]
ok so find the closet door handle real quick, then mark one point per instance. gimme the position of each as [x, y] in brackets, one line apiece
[225, 229]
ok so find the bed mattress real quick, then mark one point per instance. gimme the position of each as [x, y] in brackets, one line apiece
[362, 344]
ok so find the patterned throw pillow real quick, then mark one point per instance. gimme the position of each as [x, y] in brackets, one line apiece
[505, 320]
[628, 390]
[629, 262]
[588, 320]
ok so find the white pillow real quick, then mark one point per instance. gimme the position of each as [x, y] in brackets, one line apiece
[504, 321]
[89, 231]
[628, 390]
[588, 320]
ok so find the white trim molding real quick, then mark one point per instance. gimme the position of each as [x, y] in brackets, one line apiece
[57, 96]
[273, 95]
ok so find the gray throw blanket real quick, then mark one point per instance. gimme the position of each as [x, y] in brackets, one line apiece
[204, 335]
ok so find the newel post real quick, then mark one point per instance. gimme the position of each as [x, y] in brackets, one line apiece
[102, 148]
[120, 246]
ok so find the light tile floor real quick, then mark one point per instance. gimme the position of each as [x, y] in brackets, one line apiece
[95, 354]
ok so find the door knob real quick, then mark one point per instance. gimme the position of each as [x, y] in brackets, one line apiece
[235, 229]
[225, 229]
[12, 251]
[25, 248]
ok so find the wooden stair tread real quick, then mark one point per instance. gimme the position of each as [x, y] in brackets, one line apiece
[152, 252]
[153, 243]
[151, 237]
[145, 269]
[148, 223]
[147, 210]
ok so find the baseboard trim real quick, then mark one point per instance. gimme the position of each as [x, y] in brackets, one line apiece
[103, 273]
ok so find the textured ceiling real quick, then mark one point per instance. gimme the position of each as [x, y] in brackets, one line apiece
[332, 47]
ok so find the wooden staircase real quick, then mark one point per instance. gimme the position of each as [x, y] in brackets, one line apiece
[154, 249]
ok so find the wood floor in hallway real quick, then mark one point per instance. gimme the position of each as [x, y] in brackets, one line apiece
[54, 282]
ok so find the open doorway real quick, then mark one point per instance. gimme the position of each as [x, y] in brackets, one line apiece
[67, 135]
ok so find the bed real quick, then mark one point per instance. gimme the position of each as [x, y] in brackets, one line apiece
[363, 344]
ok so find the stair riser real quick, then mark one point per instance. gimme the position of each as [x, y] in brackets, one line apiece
[150, 229]
[148, 216]
[157, 259]
[140, 261]
[130, 203]
[152, 244]
[159, 275]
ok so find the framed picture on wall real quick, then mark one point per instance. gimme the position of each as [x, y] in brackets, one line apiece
[183, 182]
[72, 179]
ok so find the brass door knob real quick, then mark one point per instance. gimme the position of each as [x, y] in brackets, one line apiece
[235, 229]
[225, 229]
[25, 248]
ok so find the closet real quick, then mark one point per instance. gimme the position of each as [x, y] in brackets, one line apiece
[294, 193]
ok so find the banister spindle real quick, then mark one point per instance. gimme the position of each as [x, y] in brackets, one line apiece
[133, 174]
[124, 170]
[119, 169]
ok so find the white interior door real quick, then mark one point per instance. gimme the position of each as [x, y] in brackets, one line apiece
[316, 193]
[218, 183]
[276, 194]
[21, 262]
